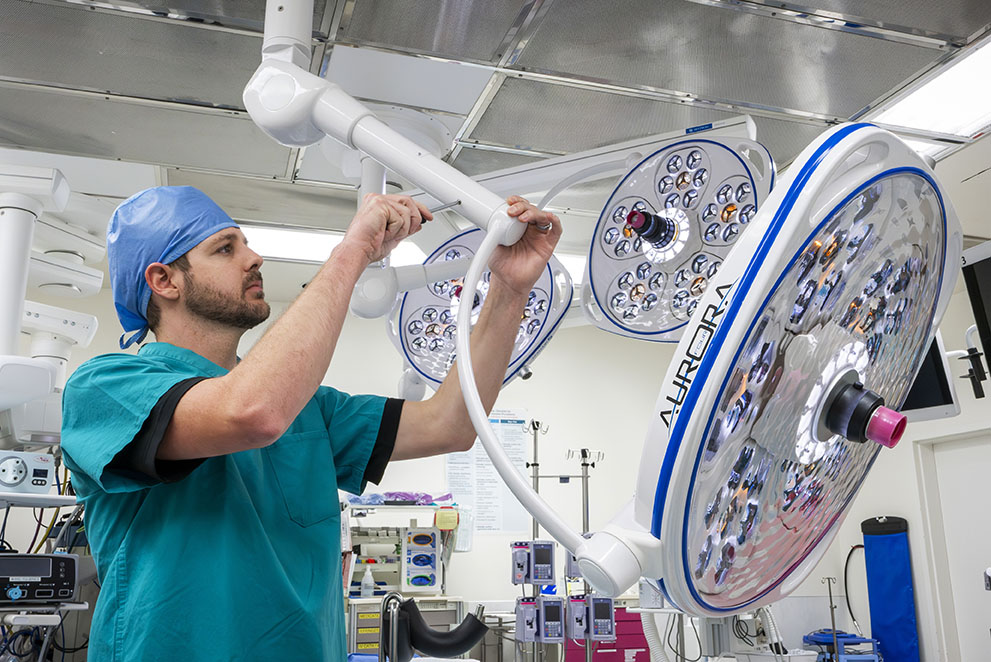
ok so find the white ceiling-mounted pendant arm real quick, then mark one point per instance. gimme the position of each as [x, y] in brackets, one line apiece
[24, 193]
[376, 291]
[587, 173]
[297, 108]
[288, 31]
[17, 216]
[372, 178]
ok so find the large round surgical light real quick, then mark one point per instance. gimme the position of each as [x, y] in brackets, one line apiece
[680, 206]
[426, 328]
[837, 292]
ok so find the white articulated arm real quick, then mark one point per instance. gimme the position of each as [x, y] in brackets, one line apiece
[376, 291]
[297, 108]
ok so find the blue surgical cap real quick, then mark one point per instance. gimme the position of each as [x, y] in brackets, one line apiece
[159, 224]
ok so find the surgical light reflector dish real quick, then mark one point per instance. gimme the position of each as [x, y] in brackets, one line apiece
[845, 277]
[665, 231]
[426, 328]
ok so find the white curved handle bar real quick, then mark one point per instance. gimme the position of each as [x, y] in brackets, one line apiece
[473, 401]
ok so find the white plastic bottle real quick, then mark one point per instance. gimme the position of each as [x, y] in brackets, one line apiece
[367, 583]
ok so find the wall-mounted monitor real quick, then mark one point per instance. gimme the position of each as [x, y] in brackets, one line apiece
[932, 396]
[977, 276]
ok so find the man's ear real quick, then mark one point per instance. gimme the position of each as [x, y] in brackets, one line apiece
[161, 279]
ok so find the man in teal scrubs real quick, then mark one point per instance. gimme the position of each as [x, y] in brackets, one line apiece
[210, 483]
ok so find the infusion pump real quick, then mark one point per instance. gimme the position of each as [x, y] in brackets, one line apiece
[533, 562]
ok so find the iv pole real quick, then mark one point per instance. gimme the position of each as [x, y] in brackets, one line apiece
[536, 429]
[588, 458]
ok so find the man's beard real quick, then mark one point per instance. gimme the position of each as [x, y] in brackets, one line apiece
[220, 307]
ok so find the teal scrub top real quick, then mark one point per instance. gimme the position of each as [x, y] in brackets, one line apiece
[239, 560]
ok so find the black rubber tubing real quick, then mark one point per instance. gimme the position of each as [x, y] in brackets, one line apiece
[442, 644]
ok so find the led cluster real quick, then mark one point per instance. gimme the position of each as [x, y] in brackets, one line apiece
[707, 196]
[851, 301]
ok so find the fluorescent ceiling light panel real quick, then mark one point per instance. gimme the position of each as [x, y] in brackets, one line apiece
[575, 264]
[311, 246]
[957, 101]
[925, 148]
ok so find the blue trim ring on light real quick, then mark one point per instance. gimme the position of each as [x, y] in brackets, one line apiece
[525, 353]
[749, 275]
[722, 388]
[608, 314]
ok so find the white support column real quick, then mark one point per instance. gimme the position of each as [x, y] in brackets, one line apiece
[17, 216]
[372, 178]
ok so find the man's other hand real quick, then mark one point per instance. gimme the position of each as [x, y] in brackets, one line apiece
[520, 265]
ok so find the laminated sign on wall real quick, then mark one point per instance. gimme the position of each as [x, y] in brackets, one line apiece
[473, 480]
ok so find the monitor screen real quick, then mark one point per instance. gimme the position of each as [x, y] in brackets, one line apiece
[542, 555]
[977, 276]
[26, 566]
[552, 612]
[932, 394]
[600, 610]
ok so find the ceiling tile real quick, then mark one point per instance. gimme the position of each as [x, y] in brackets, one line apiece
[454, 28]
[411, 81]
[556, 118]
[248, 14]
[480, 161]
[90, 125]
[165, 60]
[718, 53]
[958, 18]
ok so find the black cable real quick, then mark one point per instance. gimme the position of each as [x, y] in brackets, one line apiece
[742, 631]
[846, 592]
[698, 639]
[681, 655]
[71, 649]
[667, 638]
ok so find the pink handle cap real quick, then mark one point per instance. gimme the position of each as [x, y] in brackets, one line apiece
[636, 219]
[886, 427]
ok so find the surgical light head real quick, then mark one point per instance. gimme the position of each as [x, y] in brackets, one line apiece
[665, 231]
[159, 224]
[426, 328]
[772, 411]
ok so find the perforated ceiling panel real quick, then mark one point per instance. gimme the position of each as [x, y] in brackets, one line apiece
[717, 53]
[49, 121]
[785, 139]
[272, 201]
[169, 60]
[479, 161]
[249, 14]
[453, 28]
[556, 118]
[960, 18]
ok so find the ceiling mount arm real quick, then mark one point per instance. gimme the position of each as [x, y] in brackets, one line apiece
[287, 31]
[297, 109]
